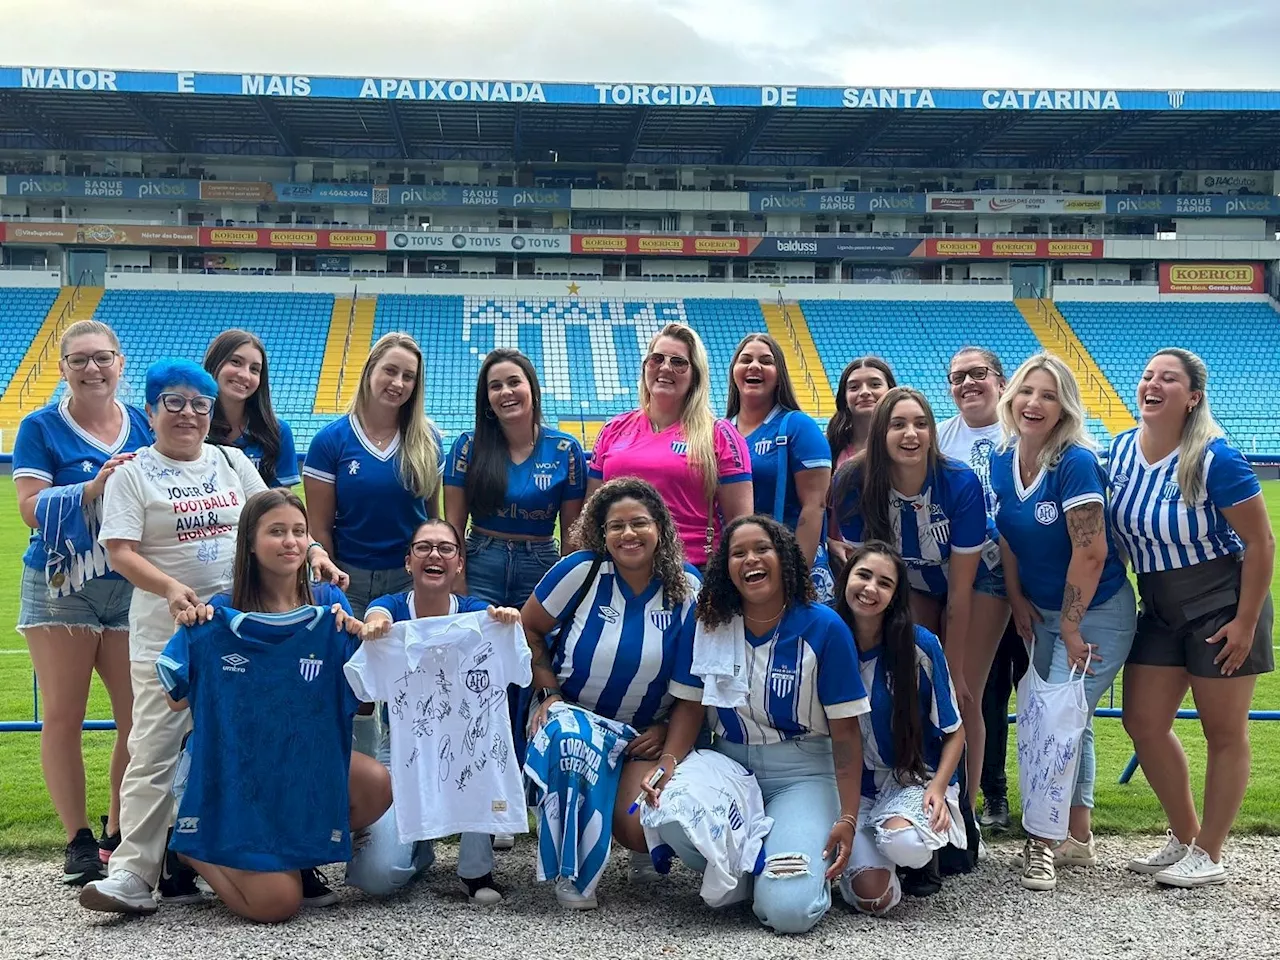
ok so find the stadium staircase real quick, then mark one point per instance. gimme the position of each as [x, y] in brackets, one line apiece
[345, 351]
[37, 376]
[1057, 337]
[786, 323]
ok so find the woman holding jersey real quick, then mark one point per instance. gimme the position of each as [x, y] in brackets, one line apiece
[1066, 582]
[169, 527]
[435, 560]
[73, 610]
[794, 722]
[617, 667]
[243, 415]
[1189, 511]
[790, 460]
[700, 465]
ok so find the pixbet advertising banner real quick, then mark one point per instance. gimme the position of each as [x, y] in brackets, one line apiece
[980, 248]
[1212, 278]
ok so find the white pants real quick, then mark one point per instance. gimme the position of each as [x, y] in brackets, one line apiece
[146, 797]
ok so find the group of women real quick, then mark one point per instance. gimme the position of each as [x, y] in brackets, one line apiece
[873, 602]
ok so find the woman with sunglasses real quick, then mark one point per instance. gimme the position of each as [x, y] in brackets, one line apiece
[243, 415]
[169, 527]
[73, 610]
[976, 378]
[434, 561]
[700, 465]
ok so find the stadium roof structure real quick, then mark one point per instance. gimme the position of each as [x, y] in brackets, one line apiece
[373, 118]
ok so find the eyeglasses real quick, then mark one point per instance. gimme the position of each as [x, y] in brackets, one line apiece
[656, 360]
[200, 405]
[975, 373]
[424, 549]
[99, 358]
[638, 525]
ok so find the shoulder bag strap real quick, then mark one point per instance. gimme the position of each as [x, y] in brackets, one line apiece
[784, 467]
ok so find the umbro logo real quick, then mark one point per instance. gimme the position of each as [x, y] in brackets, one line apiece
[234, 663]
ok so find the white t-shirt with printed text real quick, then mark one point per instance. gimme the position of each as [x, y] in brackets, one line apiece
[183, 515]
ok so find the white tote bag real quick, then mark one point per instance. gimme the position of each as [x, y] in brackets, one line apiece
[1051, 722]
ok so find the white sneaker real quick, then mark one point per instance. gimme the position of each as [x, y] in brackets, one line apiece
[983, 854]
[504, 841]
[569, 897]
[1037, 866]
[121, 892]
[1167, 856]
[1196, 869]
[641, 869]
[1072, 853]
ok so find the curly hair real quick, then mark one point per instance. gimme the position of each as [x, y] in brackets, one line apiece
[668, 556]
[719, 601]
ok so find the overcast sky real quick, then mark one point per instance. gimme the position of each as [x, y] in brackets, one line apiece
[958, 43]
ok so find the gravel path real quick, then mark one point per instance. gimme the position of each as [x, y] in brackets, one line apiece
[1100, 914]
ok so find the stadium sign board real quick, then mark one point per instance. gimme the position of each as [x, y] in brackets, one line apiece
[422, 241]
[1212, 278]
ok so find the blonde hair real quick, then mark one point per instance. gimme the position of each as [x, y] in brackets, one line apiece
[419, 454]
[84, 328]
[1199, 430]
[1070, 430]
[696, 419]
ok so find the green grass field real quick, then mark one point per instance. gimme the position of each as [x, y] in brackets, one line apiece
[28, 824]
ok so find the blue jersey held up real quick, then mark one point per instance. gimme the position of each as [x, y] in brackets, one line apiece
[948, 515]
[554, 473]
[52, 447]
[271, 742]
[375, 515]
[790, 439]
[1034, 522]
[1155, 524]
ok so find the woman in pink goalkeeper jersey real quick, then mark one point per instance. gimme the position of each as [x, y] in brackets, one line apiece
[700, 465]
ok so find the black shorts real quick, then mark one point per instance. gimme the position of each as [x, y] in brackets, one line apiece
[1183, 608]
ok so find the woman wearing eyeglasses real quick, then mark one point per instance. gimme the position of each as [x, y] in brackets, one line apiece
[74, 609]
[169, 526]
[699, 465]
[976, 378]
[435, 562]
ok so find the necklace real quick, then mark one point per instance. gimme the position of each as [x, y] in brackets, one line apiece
[767, 619]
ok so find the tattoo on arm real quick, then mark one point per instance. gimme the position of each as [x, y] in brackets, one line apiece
[1072, 608]
[842, 754]
[1084, 523]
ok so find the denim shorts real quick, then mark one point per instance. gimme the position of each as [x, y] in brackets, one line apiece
[990, 581]
[101, 604]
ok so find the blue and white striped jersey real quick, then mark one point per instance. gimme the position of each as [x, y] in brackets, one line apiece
[949, 515]
[939, 712]
[618, 656]
[798, 676]
[1158, 528]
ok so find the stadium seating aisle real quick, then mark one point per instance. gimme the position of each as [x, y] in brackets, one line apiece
[1123, 336]
[23, 310]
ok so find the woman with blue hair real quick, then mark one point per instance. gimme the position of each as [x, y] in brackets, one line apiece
[169, 527]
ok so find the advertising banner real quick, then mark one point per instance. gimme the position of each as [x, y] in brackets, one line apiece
[221, 261]
[290, 239]
[1230, 181]
[619, 244]
[981, 248]
[422, 241]
[1147, 205]
[1212, 278]
[99, 188]
[832, 201]
[837, 248]
[103, 234]
[228, 191]
[333, 263]
[1021, 204]
[511, 198]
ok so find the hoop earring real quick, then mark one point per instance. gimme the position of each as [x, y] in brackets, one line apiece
[489, 414]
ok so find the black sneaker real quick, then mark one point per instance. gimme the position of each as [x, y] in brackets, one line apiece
[177, 882]
[82, 864]
[315, 891]
[924, 882]
[107, 843]
[483, 890]
[995, 815]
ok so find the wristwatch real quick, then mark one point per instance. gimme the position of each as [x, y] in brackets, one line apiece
[543, 693]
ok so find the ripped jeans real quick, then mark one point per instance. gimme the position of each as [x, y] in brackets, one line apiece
[797, 779]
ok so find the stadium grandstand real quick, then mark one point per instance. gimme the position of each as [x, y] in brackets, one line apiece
[573, 220]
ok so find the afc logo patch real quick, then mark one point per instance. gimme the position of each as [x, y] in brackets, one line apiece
[477, 681]
[1046, 512]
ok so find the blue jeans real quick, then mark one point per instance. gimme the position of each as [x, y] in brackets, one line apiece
[368, 585]
[1109, 627]
[504, 572]
[798, 781]
[384, 865]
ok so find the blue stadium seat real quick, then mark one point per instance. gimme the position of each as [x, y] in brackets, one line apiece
[22, 310]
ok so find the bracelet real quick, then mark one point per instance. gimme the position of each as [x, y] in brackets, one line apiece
[850, 819]
[674, 762]
[313, 543]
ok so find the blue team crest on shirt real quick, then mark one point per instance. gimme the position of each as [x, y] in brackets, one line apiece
[353, 467]
[1046, 512]
[762, 447]
[86, 466]
[679, 447]
[542, 481]
[1170, 491]
[661, 618]
[187, 825]
[736, 819]
[782, 680]
[309, 667]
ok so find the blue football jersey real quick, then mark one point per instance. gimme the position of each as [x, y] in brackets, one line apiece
[554, 473]
[286, 460]
[375, 515]
[399, 606]
[793, 437]
[1033, 520]
[270, 749]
